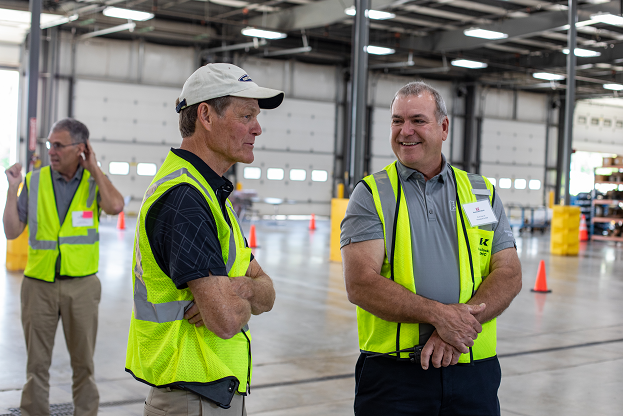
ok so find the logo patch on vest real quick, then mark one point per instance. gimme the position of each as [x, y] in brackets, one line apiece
[481, 247]
[452, 206]
[245, 78]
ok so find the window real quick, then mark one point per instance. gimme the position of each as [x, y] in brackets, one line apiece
[607, 123]
[534, 184]
[274, 174]
[492, 180]
[581, 120]
[595, 121]
[319, 175]
[505, 183]
[250, 172]
[520, 184]
[118, 168]
[619, 123]
[298, 174]
[146, 169]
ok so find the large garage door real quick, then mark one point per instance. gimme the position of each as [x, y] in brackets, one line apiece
[292, 170]
[513, 153]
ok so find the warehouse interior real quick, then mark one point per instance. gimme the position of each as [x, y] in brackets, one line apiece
[508, 102]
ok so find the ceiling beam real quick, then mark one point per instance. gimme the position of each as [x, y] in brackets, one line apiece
[311, 15]
[455, 40]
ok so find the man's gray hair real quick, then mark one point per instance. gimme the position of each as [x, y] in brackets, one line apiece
[77, 130]
[417, 88]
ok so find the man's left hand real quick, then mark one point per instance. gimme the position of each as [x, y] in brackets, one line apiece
[439, 352]
[193, 316]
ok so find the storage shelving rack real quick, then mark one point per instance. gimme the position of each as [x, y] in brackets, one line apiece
[606, 203]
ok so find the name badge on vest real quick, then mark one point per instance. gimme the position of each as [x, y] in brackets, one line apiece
[82, 218]
[480, 213]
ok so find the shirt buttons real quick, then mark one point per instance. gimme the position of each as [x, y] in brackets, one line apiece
[430, 211]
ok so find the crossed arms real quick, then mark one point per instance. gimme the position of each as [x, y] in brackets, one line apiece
[456, 325]
[224, 305]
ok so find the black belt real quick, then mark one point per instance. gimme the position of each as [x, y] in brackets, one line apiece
[415, 354]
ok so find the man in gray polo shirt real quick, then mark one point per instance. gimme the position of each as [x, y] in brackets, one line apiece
[429, 276]
[60, 204]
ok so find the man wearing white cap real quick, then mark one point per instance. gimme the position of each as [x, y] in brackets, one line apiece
[195, 281]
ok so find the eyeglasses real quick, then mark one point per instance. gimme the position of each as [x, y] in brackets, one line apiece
[58, 146]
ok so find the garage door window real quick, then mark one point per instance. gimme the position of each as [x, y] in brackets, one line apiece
[119, 168]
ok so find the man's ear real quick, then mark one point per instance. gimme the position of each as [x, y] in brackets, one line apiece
[205, 116]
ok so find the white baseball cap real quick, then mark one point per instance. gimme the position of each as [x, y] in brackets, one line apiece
[219, 80]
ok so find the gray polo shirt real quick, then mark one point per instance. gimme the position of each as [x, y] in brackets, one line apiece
[63, 192]
[432, 214]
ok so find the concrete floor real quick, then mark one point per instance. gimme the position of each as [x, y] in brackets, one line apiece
[560, 352]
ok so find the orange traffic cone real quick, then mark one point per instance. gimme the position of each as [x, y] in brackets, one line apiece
[541, 280]
[583, 230]
[252, 242]
[121, 221]
[312, 222]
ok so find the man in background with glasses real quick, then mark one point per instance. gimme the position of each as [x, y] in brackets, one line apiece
[61, 204]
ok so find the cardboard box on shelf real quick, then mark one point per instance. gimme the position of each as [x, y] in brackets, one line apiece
[608, 161]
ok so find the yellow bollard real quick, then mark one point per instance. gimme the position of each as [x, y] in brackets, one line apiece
[340, 190]
[338, 211]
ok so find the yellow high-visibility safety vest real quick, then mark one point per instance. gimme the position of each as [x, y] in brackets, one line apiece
[78, 245]
[163, 347]
[380, 336]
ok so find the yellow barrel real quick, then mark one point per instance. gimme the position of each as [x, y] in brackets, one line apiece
[565, 237]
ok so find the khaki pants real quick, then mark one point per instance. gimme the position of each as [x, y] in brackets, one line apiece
[173, 402]
[76, 302]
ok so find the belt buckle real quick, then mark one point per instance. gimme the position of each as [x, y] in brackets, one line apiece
[415, 356]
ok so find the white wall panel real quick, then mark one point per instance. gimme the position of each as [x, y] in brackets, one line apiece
[267, 73]
[382, 89]
[498, 104]
[531, 107]
[298, 125]
[104, 58]
[314, 82]
[598, 128]
[9, 55]
[127, 112]
[166, 65]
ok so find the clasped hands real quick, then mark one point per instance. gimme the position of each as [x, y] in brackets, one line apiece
[455, 331]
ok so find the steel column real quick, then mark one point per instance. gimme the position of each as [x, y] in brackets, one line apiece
[569, 102]
[359, 65]
[33, 79]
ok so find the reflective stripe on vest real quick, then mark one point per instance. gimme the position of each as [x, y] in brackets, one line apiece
[163, 347]
[375, 334]
[47, 237]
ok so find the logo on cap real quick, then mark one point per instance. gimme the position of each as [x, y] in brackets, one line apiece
[245, 78]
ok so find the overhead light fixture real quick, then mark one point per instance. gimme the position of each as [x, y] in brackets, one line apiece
[61, 21]
[584, 53]
[614, 87]
[259, 33]
[372, 14]
[379, 50]
[466, 63]
[611, 19]
[484, 34]
[548, 76]
[127, 14]
[21, 19]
